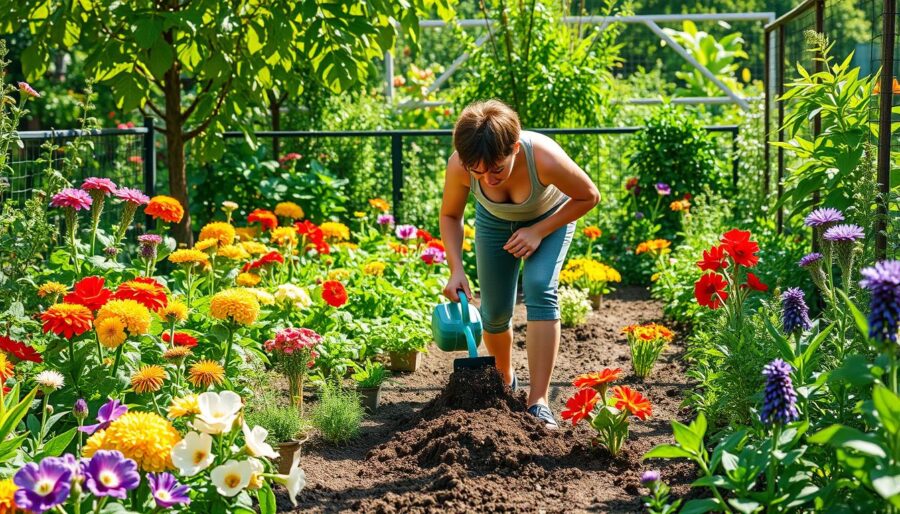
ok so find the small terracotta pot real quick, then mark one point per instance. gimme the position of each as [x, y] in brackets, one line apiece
[287, 451]
[371, 398]
[405, 361]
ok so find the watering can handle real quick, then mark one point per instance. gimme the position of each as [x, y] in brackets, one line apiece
[470, 338]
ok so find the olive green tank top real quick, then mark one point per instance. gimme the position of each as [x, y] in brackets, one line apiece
[542, 198]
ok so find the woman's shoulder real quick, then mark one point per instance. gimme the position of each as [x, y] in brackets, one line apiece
[546, 151]
[455, 170]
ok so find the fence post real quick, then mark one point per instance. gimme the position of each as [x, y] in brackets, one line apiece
[780, 91]
[767, 60]
[397, 173]
[888, 36]
[735, 158]
[149, 165]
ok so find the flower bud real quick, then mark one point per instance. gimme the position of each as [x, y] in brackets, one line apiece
[80, 410]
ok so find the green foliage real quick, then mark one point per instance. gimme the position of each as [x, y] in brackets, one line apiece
[718, 56]
[338, 414]
[283, 423]
[371, 374]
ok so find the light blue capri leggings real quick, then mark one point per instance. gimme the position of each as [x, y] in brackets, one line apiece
[498, 270]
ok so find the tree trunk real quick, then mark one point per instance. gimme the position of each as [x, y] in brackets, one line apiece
[175, 148]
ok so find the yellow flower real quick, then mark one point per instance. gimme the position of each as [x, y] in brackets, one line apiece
[219, 230]
[254, 247]
[654, 246]
[174, 311]
[339, 274]
[284, 236]
[178, 353]
[184, 406]
[135, 316]
[263, 297]
[654, 277]
[8, 497]
[239, 305]
[111, 332]
[148, 379]
[289, 210]
[206, 373]
[359, 214]
[348, 245]
[145, 437]
[52, 288]
[247, 279]
[468, 232]
[380, 204]
[233, 252]
[245, 233]
[206, 244]
[466, 245]
[374, 268]
[188, 257]
[335, 231]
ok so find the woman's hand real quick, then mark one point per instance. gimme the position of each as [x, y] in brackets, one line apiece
[524, 242]
[457, 281]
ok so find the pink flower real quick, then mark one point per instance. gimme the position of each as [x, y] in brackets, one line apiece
[28, 90]
[291, 339]
[101, 185]
[71, 198]
[406, 231]
[132, 195]
[432, 255]
[135, 159]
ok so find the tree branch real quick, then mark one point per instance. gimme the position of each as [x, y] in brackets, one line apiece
[190, 110]
[155, 127]
[156, 109]
[200, 128]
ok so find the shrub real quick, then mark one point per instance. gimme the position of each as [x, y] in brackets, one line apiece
[338, 414]
[574, 306]
[283, 423]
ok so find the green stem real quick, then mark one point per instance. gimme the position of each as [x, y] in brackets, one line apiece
[772, 471]
[72, 364]
[228, 348]
[118, 359]
[99, 347]
[189, 270]
[43, 420]
[715, 490]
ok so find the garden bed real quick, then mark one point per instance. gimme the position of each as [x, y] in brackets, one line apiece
[419, 455]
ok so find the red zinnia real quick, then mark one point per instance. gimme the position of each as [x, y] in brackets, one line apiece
[313, 235]
[144, 290]
[597, 378]
[67, 320]
[713, 259]
[626, 398]
[743, 253]
[580, 405]
[333, 293]
[272, 257]
[436, 243]
[181, 339]
[754, 283]
[736, 236]
[20, 351]
[710, 290]
[266, 218]
[424, 235]
[89, 292]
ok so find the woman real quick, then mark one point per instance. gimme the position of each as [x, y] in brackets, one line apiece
[529, 194]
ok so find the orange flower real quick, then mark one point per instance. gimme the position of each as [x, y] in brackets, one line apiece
[67, 319]
[144, 290]
[597, 378]
[380, 204]
[895, 86]
[580, 405]
[592, 232]
[165, 208]
[266, 218]
[626, 398]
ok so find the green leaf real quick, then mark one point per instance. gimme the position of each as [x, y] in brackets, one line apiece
[266, 499]
[686, 437]
[885, 484]
[840, 436]
[161, 58]
[668, 451]
[147, 32]
[862, 324]
[15, 414]
[744, 505]
[56, 446]
[700, 506]
[888, 405]
[34, 61]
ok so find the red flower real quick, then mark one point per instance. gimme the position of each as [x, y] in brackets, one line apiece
[710, 290]
[144, 290]
[687, 196]
[743, 253]
[626, 398]
[333, 293]
[181, 339]
[19, 350]
[597, 378]
[423, 235]
[736, 236]
[436, 243]
[631, 183]
[314, 236]
[272, 257]
[67, 319]
[266, 218]
[89, 292]
[754, 283]
[713, 259]
[580, 405]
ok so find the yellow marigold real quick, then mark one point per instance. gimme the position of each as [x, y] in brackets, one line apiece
[254, 247]
[339, 274]
[246, 233]
[184, 406]
[468, 232]
[654, 277]
[206, 373]
[466, 245]
[239, 305]
[263, 297]
[52, 288]
[335, 231]
[111, 332]
[145, 437]
[174, 311]
[568, 277]
[177, 353]
[654, 246]
[206, 244]
[380, 204]
[289, 210]
[134, 315]
[219, 230]
[233, 252]
[8, 497]
[284, 236]
[374, 268]
[188, 257]
[247, 279]
[148, 379]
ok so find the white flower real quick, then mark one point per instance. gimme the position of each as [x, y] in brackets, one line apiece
[256, 442]
[263, 297]
[50, 380]
[289, 293]
[218, 412]
[256, 478]
[193, 453]
[229, 206]
[232, 477]
[295, 481]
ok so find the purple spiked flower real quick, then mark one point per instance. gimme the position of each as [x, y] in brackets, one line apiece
[780, 400]
[109, 473]
[810, 259]
[109, 412]
[795, 313]
[663, 189]
[825, 216]
[649, 476]
[883, 283]
[43, 486]
[167, 492]
[844, 234]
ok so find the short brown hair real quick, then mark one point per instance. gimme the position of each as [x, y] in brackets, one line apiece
[486, 132]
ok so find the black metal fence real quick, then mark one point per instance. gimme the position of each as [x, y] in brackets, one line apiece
[866, 28]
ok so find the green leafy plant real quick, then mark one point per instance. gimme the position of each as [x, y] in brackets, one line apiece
[370, 374]
[283, 423]
[718, 56]
[646, 343]
[338, 414]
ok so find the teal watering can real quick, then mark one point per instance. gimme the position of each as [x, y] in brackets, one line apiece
[456, 326]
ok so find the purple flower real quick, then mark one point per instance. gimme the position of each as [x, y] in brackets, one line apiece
[149, 239]
[71, 198]
[795, 313]
[810, 259]
[780, 400]
[649, 476]
[639, 215]
[132, 196]
[883, 283]
[110, 411]
[43, 486]
[80, 410]
[111, 251]
[432, 255]
[102, 186]
[406, 231]
[109, 473]
[823, 216]
[385, 219]
[663, 189]
[167, 492]
[844, 234]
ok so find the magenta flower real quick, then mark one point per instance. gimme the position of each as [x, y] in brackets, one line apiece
[43, 486]
[80, 410]
[110, 412]
[166, 490]
[132, 196]
[385, 219]
[663, 189]
[109, 473]
[649, 476]
[149, 239]
[28, 90]
[102, 186]
[406, 231]
[432, 255]
[71, 198]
